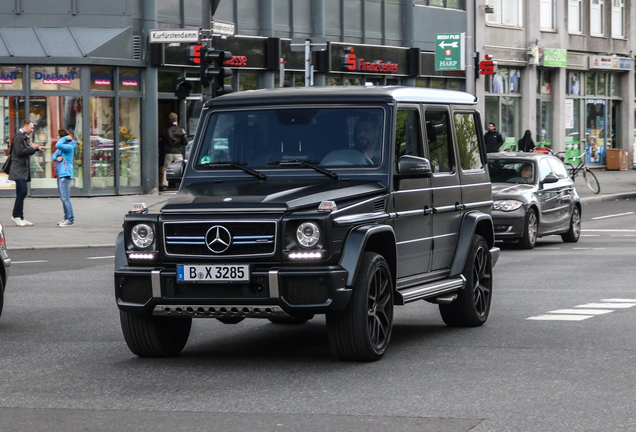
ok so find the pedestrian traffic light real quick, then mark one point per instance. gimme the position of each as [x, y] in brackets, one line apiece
[182, 88]
[213, 71]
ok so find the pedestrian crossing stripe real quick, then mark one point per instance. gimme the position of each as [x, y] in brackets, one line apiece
[585, 311]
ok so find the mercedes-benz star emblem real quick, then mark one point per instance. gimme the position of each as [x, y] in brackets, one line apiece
[218, 239]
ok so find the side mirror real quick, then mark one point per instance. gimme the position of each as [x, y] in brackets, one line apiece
[550, 178]
[174, 171]
[414, 167]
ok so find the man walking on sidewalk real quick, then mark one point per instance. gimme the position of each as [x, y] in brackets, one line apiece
[20, 173]
[494, 140]
[176, 140]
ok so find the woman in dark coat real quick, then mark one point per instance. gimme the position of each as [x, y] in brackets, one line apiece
[526, 144]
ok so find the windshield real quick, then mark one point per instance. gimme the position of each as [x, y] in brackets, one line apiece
[511, 171]
[265, 139]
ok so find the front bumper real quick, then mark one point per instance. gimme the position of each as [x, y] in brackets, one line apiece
[509, 225]
[278, 291]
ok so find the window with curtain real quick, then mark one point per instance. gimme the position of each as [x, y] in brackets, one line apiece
[596, 17]
[618, 20]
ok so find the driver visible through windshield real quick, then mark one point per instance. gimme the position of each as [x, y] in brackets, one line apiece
[511, 171]
[319, 137]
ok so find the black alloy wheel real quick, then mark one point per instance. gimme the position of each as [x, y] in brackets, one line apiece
[529, 239]
[573, 234]
[363, 330]
[472, 306]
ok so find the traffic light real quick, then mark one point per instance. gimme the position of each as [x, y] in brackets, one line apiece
[213, 72]
[182, 88]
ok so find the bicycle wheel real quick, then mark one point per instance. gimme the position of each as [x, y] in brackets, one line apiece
[571, 170]
[591, 181]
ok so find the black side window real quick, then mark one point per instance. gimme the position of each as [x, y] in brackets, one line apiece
[439, 141]
[470, 156]
[407, 134]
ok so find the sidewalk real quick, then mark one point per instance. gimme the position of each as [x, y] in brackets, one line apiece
[98, 220]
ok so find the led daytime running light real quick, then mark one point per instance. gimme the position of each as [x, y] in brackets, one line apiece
[305, 255]
[141, 256]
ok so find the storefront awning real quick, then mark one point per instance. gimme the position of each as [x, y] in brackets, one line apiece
[67, 42]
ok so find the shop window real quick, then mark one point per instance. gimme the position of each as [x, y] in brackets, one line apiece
[102, 142]
[333, 81]
[504, 81]
[49, 114]
[452, 4]
[544, 123]
[574, 83]
[591, 84]
[505, 113]
[102, 78]
[600, 84]
[166, 80]
[545, 81]
[130, 80]
[437, 83]
[10, 78]
[615, 85]
[467, 141]
[618, 18]
[55, 78]
[129, 142]
[596, 17]
[438, 137]
[574, 16]
[12, 111]
[507, 12]
[247, 81]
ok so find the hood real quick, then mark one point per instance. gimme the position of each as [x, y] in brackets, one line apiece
[271, 196]
[507, 189]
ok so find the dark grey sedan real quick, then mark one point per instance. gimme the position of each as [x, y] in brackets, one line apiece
[533, 196]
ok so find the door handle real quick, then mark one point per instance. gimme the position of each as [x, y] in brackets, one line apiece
[459, 207]
[428, 211]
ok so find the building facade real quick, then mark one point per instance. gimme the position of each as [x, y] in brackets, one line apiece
[565, 72]
[87, 66]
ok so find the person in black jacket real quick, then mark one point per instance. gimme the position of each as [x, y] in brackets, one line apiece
[494, 140]
[20, 173]
[526, 144]
[174, 142]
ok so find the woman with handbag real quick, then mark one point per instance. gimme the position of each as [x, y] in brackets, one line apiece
[20, 171]
[64, 156]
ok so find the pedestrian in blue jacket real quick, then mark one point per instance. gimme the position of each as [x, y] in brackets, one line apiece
[64, 156]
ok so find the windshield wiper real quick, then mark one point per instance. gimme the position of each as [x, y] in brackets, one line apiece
[308, 164]
[239, 165]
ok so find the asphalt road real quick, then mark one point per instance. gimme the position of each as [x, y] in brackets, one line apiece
[65, 367]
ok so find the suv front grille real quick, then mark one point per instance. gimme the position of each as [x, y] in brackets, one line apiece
[249, 238]
[134, 289]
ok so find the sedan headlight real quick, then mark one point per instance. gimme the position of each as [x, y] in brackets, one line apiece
[506, 205]
[308, 234]
[142, 235]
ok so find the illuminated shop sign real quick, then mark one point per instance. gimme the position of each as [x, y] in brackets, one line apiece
[129, 80]
[194, 55]
[102, 80]
[610, 62]
[352, 62]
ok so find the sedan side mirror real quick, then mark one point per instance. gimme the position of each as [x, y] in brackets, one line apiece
[550, 178]
[174, 171]
[414, 167]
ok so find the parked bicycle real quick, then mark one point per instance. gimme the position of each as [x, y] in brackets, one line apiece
[590, 179]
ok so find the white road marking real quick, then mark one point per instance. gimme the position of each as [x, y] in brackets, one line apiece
[560, 317]
[611, 216]
[623, 235]
[615, 300]
[28, 262]
[101, 257]
[581, 311]
[582, 248]
[606, 305]
[608, 230]
[590, 235]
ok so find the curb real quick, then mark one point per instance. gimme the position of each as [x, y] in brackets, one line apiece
[609, 197]
[51, 247]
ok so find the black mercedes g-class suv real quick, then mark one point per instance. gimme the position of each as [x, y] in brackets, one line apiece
[296, 202]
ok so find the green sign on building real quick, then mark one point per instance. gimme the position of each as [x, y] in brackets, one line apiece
[555, 57]
[449, 51]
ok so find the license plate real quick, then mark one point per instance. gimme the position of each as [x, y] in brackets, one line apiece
[213, 273]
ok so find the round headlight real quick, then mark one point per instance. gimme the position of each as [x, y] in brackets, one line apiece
[142, 235]
[308, 234]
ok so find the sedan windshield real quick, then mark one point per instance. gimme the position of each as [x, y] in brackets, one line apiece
[511, 171]
[305, 137]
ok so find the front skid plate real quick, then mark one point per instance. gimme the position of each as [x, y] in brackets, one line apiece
[221, 311]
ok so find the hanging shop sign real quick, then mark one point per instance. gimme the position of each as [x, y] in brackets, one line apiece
[449, 51]
[554, 57]
[368, 59]
[610, 62]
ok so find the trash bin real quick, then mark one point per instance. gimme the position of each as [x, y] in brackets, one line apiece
[616, 159]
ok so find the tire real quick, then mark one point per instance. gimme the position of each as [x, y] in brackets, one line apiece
[363, 330]
[151, 336]
[529, 239]
[591, 181]
[573, 234]
[1, 296]
[290, 319]
[472, 306]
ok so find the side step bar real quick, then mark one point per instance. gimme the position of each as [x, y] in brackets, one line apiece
[431, 291]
